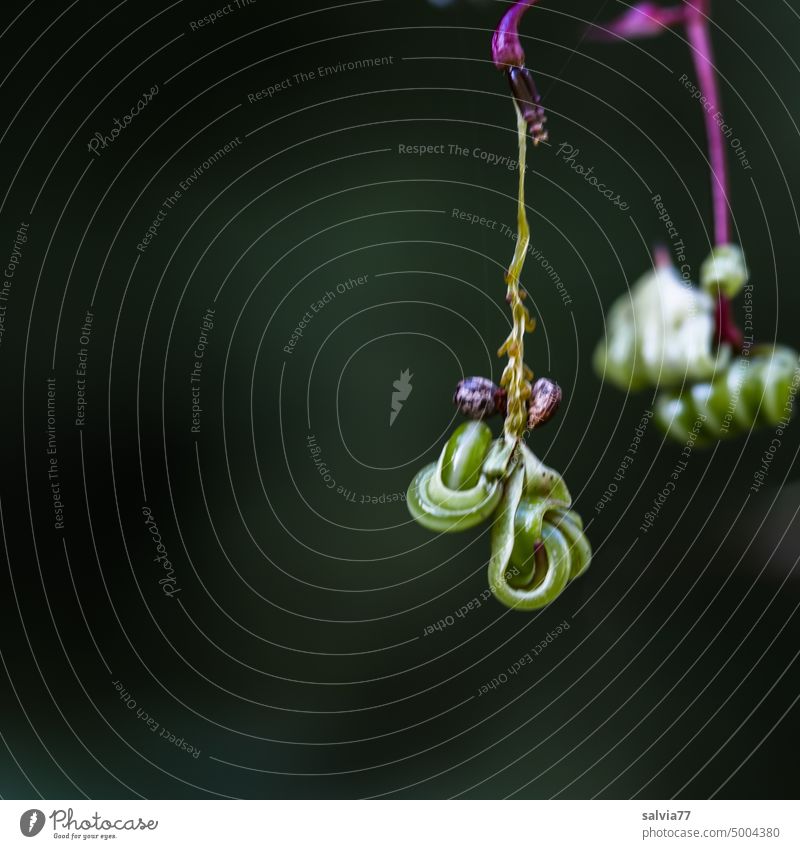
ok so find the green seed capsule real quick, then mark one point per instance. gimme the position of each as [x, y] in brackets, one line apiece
[571, 526]
[453, 494]
[753, 391]
[538, 544]
[464, 454]
[538, 552]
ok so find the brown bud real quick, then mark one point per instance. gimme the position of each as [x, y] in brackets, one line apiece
[528, 101]
[544, 402]
[479, 398]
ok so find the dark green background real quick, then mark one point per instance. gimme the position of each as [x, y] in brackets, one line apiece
[294, 655]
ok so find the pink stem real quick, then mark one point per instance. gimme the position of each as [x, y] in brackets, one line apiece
[698, 30]
[697, 27]
[661, 257]
[728, 331]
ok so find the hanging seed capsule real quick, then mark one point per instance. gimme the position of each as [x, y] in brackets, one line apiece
[479, 398]
[544, 402]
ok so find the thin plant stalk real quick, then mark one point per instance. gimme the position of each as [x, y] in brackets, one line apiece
[516, 375]
[698, 31]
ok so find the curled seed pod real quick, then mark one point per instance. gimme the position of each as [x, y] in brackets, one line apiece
[544, 402]
[538, 544]
[753, 391]
[479, 398]
[454, 494]
[724, 271]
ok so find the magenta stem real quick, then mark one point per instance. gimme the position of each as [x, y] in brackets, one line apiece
[698, 30]
[661, 256]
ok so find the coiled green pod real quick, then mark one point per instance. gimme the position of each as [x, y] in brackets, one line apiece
[454, 493]
[538, 544]
[753, 391]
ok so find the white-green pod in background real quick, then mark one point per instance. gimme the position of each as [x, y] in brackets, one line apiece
[724, 271]
[754, 391]
[660, 334]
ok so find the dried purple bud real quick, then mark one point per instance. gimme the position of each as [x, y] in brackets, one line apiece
[528, 102]
[479, 398]
[506, 49]
[544, 402]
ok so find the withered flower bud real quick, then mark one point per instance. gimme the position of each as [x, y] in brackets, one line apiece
[479, 398]
[544, 402]
[528, 102]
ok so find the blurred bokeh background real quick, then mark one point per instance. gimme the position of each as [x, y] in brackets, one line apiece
[289, 650]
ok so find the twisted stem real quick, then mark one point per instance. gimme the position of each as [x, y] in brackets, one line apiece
[508, 55]
[516, 375]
